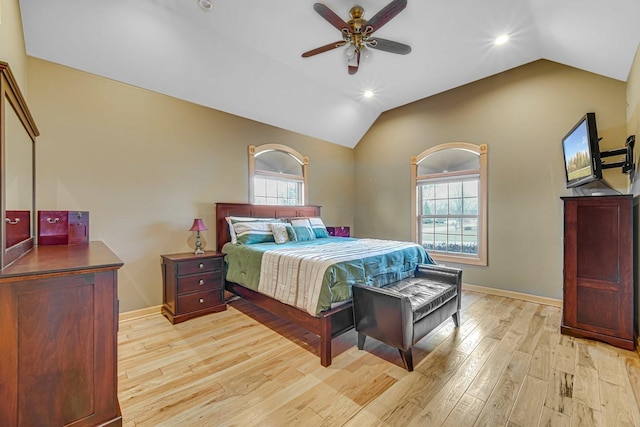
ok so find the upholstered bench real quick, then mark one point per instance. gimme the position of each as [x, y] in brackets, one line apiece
[402, 313]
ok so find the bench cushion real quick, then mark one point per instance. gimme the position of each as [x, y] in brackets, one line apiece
[425, 295]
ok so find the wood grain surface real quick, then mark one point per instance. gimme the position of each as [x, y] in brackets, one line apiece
[507, 364]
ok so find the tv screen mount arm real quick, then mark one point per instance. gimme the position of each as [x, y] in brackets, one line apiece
[627, 165]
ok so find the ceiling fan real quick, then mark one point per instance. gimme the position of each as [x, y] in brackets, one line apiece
[357, 33]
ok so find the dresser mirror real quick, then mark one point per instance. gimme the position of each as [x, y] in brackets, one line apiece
[18, 134]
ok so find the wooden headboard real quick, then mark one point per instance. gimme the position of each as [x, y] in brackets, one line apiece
[255, 211]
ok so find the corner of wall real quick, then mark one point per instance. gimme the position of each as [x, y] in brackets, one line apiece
[633, 115]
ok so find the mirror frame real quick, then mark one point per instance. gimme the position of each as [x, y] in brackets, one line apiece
[10, 91]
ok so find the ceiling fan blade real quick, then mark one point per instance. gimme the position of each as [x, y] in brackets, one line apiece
[386, 14]
[332, 18]
[324, 48]
[389, 46]
[354, 62]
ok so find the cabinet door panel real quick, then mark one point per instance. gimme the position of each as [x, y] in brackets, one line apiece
[598, 309]
[56, 352]
[598, 238]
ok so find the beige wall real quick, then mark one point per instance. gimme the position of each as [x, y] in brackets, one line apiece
[145, 165]
[522, 115]
[12, 48]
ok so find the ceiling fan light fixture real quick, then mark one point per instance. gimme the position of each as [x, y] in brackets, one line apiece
[350, 52]
[205, 4]
[501, 39]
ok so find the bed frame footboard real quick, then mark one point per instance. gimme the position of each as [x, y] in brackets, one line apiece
[329, 324]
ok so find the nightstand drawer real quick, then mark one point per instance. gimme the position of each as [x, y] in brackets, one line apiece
[200, 282]
[199, 266]
[199, 301]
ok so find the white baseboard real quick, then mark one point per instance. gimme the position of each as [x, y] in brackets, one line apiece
[515, 295]
[136, 314]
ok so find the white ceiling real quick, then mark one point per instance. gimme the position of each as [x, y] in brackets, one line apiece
[244, 56]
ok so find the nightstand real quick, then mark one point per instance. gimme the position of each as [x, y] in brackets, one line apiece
[193, 285]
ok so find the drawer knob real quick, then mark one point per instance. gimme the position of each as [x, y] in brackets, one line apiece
[53, 220]
[201, 282]
[201, 300]
[201, 265]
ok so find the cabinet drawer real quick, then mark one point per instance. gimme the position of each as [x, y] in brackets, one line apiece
[200, 282]
[199, 266]
[199, 301]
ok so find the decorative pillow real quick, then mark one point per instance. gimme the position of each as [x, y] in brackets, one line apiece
[292, 233]
[302, 228]
[282, 232]
[250, 232]
[234, 219]
[318, 227]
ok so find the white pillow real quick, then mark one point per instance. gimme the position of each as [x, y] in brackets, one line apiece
[231, 219]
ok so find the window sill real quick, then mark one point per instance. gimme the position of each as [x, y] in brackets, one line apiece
[469, 260]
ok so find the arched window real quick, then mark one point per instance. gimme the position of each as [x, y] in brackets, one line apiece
[449, 197]
[277, 175]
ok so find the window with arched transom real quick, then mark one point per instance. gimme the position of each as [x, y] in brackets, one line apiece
[449, 198]
[277, 175]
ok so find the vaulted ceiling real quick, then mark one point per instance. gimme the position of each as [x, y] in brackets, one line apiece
[244, 56]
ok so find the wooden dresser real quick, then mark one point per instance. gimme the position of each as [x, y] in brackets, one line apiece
[58, 337]
[599, 300]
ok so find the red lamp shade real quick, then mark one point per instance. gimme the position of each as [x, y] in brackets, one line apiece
[198, 225]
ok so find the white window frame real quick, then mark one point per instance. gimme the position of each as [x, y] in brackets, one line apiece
[256, 151]
[472, 259]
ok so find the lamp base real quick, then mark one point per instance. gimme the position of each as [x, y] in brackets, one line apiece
[199, 250]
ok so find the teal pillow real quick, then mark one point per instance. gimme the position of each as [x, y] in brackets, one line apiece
[303, 229]
[319, 229]
[292, 233]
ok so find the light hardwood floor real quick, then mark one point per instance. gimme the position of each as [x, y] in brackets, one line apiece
[507, 365]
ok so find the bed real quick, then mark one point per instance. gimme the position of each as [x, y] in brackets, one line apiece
[331, 314]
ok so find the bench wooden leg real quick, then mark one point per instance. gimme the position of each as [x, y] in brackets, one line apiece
[456, 318]
[407, 359]
[361, 338]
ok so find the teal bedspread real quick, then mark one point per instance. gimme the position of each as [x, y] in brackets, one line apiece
[245, 262]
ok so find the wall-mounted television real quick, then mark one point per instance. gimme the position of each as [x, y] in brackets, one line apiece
[582, 153]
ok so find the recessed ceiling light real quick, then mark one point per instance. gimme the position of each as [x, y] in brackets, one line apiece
[500, 40]
[205, 4]
[368, 94]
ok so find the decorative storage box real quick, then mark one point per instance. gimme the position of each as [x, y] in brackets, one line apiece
[339, 231]
[63, 227]
[17, 226]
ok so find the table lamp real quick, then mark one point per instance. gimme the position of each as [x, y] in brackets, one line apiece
[198, 226]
